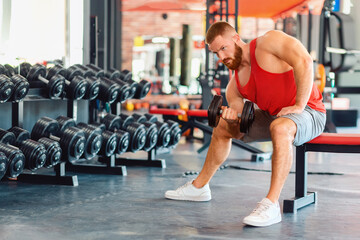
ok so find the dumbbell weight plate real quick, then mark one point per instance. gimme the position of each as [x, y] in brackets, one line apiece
[7, 137]
[53, 152]
[214, 111]
[56, 86]
[16, 160]
[175, 132]
[93, 140]
[72, 143]
[44, 127]
[77, 88]
[137, 136]
[247, 117]
[93, 88]
[142, 89]
[152, 135]
[3, 164]
[112, 122]
[64, 123]
[20, 135]
[35, 154]
[123, 139]
[109, 143]
[6, 88]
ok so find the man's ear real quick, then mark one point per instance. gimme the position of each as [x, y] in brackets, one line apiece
[235, 38]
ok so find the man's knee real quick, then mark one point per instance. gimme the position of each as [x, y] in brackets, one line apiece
[284, 128]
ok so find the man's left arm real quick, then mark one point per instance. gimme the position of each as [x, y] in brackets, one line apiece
[290, 50]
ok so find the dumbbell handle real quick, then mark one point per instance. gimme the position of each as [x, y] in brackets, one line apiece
[44, 80]
[238, 115]
[55, 138]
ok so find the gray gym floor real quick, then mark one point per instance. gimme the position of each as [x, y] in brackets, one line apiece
[133, 206]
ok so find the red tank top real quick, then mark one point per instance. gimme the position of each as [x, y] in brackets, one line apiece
[273, 91]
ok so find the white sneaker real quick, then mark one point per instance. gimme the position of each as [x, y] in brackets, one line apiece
[265, 214]
[188, 192]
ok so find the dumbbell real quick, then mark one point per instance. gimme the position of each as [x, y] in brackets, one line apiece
[125, 90]
[136, 131]
[75, 87]
[163, 128]
[115, 75]
[72, 140]
[21, 85]
[143, 87]
[92, 81]
[15, 157]
[6, 88]
[92, 135]
[108, 90]
[35, 152]
[175, 132]
[54, 86]
[152, 133]
[247, 116]
[123, 138]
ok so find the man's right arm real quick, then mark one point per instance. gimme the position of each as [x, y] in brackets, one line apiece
[236, 104]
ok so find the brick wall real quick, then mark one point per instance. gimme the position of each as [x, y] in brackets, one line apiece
[152, 24]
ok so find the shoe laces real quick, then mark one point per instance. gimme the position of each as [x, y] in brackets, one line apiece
[260, 208]
[183, 186]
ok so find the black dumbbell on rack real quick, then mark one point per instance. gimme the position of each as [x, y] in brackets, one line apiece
[15, 157]
[143, 86]
[54, 86]
[122, 138]
[35, 152]
[6, 88]
[92, 134]
[72, 140]
[108, 90]
[175, 133]
[75, 87]
[21, 85]
[163, 128]
[115, 75]
[152, 133]
[125, 90]
[92, 81]
[136, 131]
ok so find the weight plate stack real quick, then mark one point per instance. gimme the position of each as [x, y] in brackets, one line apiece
[137, 136]
[164, 134]
[142, 89]
[93, 140]
[72, 142]
[151, 118]
[93, 88]
[175, 133]
[16, 160]
[214, 111]
[123, 139]
[109, 91]
[6, 88]
[7, 137]
[139, 118]
[112, 122]
[64, 123]
[35, 154]
[109, 143]
[53, 152]
[247, 117]
[126, 120]
[3, 164]
[44, 127]
[20, 135]
[152, 135]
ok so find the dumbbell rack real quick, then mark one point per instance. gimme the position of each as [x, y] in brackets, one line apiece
[151, 161]
[114, 165]
[60, 177]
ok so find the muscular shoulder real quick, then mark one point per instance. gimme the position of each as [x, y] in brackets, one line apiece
[275, 40]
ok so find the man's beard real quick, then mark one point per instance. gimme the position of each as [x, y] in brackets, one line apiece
[236, 61]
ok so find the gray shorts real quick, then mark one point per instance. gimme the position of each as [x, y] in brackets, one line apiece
[310, 124]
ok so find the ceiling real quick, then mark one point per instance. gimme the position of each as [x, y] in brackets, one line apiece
[247, 8]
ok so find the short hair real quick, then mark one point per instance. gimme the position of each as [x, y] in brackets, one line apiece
[216, 29]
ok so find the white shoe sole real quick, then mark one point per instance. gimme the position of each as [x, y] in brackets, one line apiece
[263, 224]
[193, 199]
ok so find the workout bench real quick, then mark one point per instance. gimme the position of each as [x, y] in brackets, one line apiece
[326, 142]
[195, 120]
